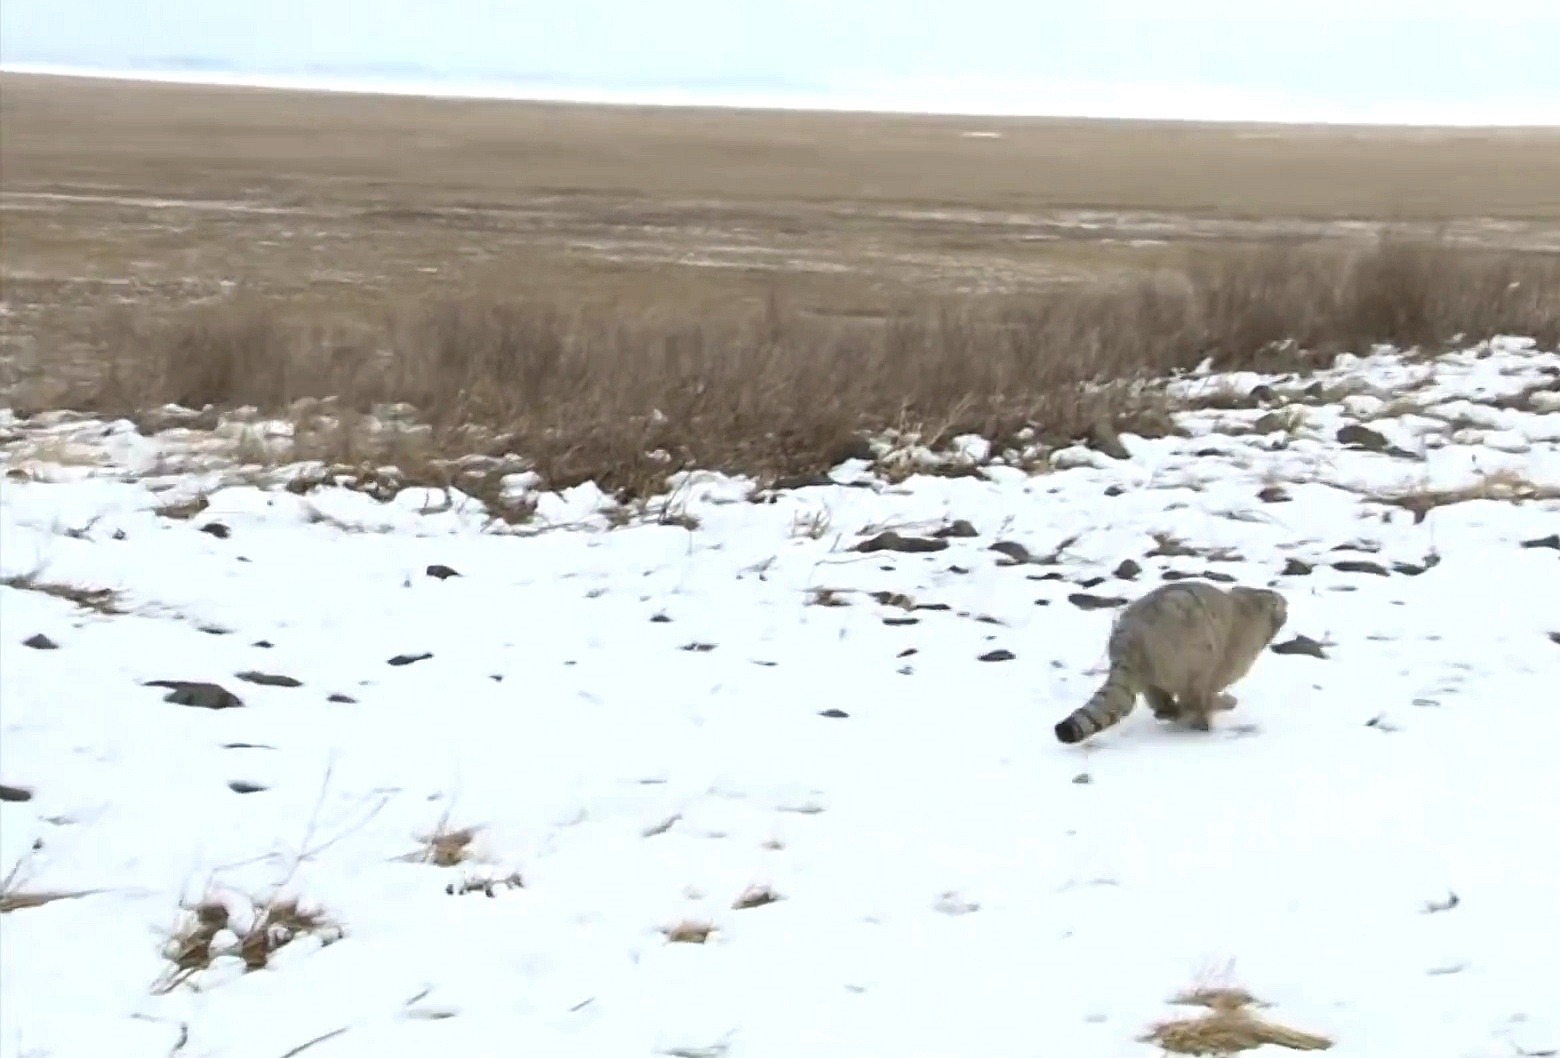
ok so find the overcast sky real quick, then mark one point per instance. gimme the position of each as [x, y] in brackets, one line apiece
[1496, 56]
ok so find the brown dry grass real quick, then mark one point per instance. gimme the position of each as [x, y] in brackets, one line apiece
[626, 397]
[1500, 485]
[99, 600]
[15, 896]
[444, 845]
[616, 293]
[1228, 1027]
[194, 944]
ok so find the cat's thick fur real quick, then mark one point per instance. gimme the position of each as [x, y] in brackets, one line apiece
[1180, 646]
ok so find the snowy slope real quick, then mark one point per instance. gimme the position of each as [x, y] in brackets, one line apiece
[647, 721]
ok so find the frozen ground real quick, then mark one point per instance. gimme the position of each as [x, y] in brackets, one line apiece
[648, 721]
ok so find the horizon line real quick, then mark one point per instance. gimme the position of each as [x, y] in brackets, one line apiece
[1128, 105]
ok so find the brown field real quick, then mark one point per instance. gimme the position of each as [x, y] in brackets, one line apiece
[771, 283]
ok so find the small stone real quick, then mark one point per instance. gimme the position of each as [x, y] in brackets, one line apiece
[958, 529]
[14, 794]
[197, 694]
[216, 529]
[698, 648]
[1356, 565]
[1103, 438]
[1091, 582]
[900, 622]
[1293, 567]
[343, 699]
[1273, 494]
[1272, 422]
[892, 541]
[1084, 601]
[1128, 570]
[1550, 541]
[1015, 552]
[1114, 490]
[1355, 435]
[266, 679]
[834, 714]
[408, 659]
[998, 655]
[660, 619]
[242, 786]
[1083, 778]
[439, 572]
[40, 642]
[1300, 645]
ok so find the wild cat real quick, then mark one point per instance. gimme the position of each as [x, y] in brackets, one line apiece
[1180, 646]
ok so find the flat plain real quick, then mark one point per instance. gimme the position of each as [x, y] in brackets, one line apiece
[168, 192]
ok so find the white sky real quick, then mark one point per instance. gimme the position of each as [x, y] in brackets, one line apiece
[1497, 57]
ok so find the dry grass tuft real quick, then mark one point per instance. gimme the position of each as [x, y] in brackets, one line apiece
[445, 846]
[1227, 1028]
[1503, 485]
[207, 932]
[626, 395]
[14, 896]
[100, 600]
[688, 931]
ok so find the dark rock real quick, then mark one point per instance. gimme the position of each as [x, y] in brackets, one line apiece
[998, 655]
[1272, 422]
[907, 652]
[1217, 577]
[1263, 393]
[1085, 601]
[242, 786]
[1408, 569]
[1177, 574]
[1316, 389]
[1103, 438]
[1042, 602]
[1128, 570]
[1293, 567]
[1016, 552]
[263, 644]
[959, 570]
[834, 714]
[266, 679]
[894, 598]
[1550, 541]
[852, 448]
[892, 541]
[1300, 645]
[787, 482]
[1204, 453]
[1359, 565]
[698, 648]
[40, 642]
[941, 606]
[217, 529]
[14, 794]
[1114, 490]
[898, 622]
[1356, 436]
[408, 659]
[660, 619]
[1169, 547]
[1052, 575]
[1091, 582]
[957, 529]
[215, 630]
[342, 699]
[441, 572]
[197, 694]
[1273, 494]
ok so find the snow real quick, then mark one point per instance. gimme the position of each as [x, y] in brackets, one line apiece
[629, 709]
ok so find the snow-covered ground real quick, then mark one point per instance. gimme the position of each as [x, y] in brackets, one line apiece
[649, 721]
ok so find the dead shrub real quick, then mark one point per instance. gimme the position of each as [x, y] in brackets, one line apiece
[626, 397]
[207, 931]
